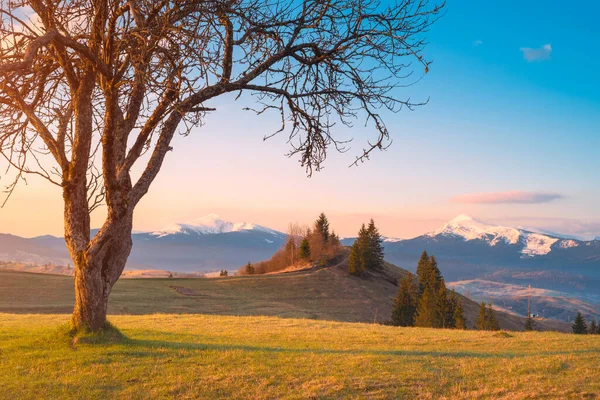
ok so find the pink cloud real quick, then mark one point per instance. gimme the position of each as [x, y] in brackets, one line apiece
[514, 197]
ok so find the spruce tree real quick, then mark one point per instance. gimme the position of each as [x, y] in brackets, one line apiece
[579, 325]
[480, 320]
[249, 269]
[405, 303]
[355, 260]
[451, 305]
[422, 269]
[322, 227]
[443, 314]
[304, 252]
[375, 248]
[459, 316]
[426, 315]
[593, 327]
[491, 320]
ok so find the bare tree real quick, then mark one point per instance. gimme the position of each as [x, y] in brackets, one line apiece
[89, 87]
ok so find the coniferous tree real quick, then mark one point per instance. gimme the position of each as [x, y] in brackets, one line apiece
[322, 227]
[442, 307]
[579, 326]
[304, 252]
[334, 239]
[249, 268]
[593, 327]
[355, 260]
[435, 271]
[451, 306]
[422, 268]
[491, 320]
[375, 252]
[405, 303]
[459, 316]
[426, 315]
[224, 273]
[480, 321]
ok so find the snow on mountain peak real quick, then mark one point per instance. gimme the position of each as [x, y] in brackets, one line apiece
[470, 229]
[534, 244]
[210, 224]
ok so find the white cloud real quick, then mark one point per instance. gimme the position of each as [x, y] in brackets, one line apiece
[511, 197]
[477, 43]
[540, 54]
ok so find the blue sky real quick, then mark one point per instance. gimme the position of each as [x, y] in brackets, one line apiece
[500, 119]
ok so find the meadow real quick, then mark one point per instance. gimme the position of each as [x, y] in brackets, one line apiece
[204, 356]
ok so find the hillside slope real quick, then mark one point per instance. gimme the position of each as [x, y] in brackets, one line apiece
[326, 293]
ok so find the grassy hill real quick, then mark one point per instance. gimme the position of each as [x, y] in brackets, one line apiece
[327, 293]
[208, 357]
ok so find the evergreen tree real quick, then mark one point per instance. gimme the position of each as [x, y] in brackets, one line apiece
[422, 268]
[579, 325]
[435, 271]
[426, 315]
[442, 305]
[322, 227]
[480, 320]
[491, 320]
[355, 261]
[593, 327]
[405, 303]
[451, 306]
[304, 249]
[334, 239]
[359, 253]
[224, 273]
[375, 252]
[249, 269]
[529, 323]
[459, 316]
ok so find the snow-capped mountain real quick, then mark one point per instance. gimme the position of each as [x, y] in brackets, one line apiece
[205, 244]
[467, 247]
[533, 244]
[211, 224]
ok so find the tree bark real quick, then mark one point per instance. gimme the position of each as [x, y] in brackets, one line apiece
[97, 269]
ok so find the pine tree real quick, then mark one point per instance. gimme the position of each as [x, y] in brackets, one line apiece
[334, 239]
[405, 303]
[459, 316]
[426, 315]
[249, 269]
[491, 320]
[451, 305]
[223, 272]
[593, 327]
[422, 269]
[322, 227]
[579, 325]
[441, 307]
[375, 252]
[304, 249]
[359, 253]
[355, 260]
[480, 321]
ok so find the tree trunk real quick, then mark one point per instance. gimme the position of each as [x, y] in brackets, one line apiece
[97, 269]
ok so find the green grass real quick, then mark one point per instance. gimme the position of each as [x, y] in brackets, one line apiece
[202, 356]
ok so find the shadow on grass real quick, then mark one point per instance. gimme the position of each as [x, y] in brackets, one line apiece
[143, 347]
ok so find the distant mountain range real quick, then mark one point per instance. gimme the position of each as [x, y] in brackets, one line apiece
[202, 245]
[466, 248]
